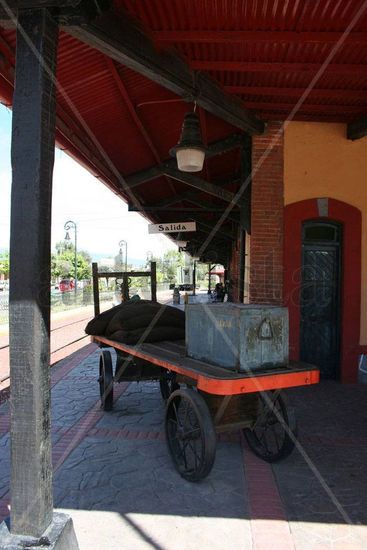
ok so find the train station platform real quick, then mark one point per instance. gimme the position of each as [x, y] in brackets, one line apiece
[114, 476]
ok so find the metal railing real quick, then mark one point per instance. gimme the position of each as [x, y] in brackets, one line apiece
[63, 301]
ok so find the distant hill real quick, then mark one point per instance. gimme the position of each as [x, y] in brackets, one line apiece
[97, 256]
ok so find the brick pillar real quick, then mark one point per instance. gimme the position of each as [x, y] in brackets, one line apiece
[267, 203]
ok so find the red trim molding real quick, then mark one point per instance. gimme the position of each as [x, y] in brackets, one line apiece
[351, 219]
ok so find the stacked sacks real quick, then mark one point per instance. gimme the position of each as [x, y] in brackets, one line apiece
[140, 321]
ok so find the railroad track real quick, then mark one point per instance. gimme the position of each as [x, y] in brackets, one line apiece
[68, 344]
[5, 378]
[58, 328]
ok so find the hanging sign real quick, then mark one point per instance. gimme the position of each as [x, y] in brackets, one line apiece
[179, 227]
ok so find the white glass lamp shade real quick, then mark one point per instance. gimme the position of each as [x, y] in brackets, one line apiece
[190, 159]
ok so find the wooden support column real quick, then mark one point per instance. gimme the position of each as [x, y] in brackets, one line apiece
[194, 279]
[95, 288]
[153, 281]
[33, 141]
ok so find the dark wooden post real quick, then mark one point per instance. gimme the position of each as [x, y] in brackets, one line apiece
[194, 279]
[33, 141]
[95, 288]
[125, 286]
[153, 280]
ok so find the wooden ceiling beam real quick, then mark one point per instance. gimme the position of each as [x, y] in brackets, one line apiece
[173, 199]
[152, 208]
[131, 108]
[200, 184]
[122, 40]
[68, 12]
[296, 93]
[37, 4]
[72, 137]
[310, 108]
[204, 208]
[279, 37]
[357, 129]
[267, 66]
[135, 116]
[215, 148]
[207, 227]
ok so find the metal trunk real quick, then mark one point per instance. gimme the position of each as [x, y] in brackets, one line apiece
[237, 336]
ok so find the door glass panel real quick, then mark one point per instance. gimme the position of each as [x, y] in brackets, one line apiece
[320, 232]
[319, 297]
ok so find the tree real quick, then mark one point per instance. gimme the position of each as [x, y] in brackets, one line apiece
[4, 264]
[167, 266]
[172, 260]
[63, 262]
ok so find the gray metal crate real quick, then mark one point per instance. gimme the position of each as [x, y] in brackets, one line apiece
[240, 336]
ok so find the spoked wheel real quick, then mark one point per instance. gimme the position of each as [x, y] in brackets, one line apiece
[106, 380]
[272, 436]
[190, 434]
[168, 384]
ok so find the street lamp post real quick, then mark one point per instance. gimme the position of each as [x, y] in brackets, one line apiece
[121, 243]
[72, 225]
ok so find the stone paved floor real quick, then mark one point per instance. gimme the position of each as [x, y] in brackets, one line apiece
[114, 475]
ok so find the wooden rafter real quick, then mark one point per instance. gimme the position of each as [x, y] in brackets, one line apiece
[279, 37]
[216, 148]
[79, 144]
[173, 199]
[193, 199]
[200, 184]
[202, 208]
[35, 4]
[127, 101]
[322, 93]
[133, 112]
[278, 67]
[309, 108]
[67, 12]
[207, 227]
[122, 40]
[177, 209]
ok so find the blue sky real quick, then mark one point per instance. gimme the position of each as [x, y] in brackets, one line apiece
[102, 218]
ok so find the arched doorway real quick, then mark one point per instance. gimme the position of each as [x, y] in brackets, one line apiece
[320, 295]
[348, 219]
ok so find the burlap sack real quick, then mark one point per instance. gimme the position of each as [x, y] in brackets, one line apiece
[140, 315]
[157, 334]
[98, 325]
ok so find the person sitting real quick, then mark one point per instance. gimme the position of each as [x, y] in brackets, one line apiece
[219, 291]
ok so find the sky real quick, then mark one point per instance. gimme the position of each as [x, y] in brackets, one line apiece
[102, 218]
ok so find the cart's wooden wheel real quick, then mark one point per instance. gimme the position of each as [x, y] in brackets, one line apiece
[106, 380]
[272, 436]
[190, 434]
[168, 384]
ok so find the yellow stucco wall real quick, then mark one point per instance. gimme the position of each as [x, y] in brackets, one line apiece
[320, 162]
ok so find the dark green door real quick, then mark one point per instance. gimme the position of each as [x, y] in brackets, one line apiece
[320, 296]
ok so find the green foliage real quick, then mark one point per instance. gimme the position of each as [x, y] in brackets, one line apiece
[63, 262]
[4, 264]
[167, 266]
